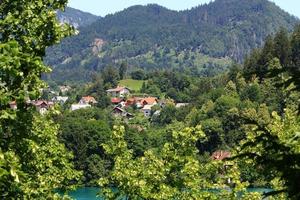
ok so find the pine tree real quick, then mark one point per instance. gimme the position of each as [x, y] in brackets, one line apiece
[266, 55]
[282, 48]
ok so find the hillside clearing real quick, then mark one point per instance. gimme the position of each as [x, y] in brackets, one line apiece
[135, 85]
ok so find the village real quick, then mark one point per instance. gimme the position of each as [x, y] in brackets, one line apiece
[120, 99]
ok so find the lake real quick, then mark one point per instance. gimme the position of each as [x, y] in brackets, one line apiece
[90, 193]
[85, 193]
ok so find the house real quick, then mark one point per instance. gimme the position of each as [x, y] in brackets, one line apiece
[122, 104]
[42, 106]
[116, 101]
[13, 105]
[134, 101]
[180, 105]
[220, 155]
[147, 110]
[64, 88]
[164, 102]
[79, 106]
[139, 105]
[119, 112]
[130, 102]
[85, 102]
[88, 100]
[119, 102]
[149, 101]
[118, 92]
[60, 99]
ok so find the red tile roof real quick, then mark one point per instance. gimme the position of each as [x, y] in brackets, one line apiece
[130, 101]
[13, 103]
[40, 103]
[220, 155]
[116, 100]
[88, 99]
[149, 101]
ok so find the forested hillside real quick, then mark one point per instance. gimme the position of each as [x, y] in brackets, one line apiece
[203, 40]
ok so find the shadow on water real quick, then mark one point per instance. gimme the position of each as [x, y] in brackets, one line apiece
[90, 193]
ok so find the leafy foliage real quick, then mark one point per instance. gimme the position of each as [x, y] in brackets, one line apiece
[32, 161]
[174, 173]
[272, 139]
[273, 143]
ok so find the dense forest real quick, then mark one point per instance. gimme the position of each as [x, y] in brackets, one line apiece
[204, 39]
[233, 130]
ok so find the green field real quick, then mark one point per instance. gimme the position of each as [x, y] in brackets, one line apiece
[135, 85]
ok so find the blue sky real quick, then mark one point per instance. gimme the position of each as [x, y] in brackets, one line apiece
[104, 7]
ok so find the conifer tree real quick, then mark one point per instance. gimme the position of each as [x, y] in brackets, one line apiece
[282, 48]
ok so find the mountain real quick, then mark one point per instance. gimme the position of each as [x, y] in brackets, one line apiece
[76, 17]
[203, 40]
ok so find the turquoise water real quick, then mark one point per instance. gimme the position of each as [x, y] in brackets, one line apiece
[90, 193]
[87, 193]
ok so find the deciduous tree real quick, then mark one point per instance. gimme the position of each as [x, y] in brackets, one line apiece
[32, 161]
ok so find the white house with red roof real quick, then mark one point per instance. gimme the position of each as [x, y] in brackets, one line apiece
[147, 110]
[85, 102]
[118, 92]
[147, 104]
[13, 105]
[88, 100]
[42, 106]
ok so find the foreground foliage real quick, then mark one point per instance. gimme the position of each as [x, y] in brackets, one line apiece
[32, 161]
[273, 143]
[172, 172]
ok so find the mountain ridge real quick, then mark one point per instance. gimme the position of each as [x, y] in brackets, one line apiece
[76, 18]
[153, 37]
